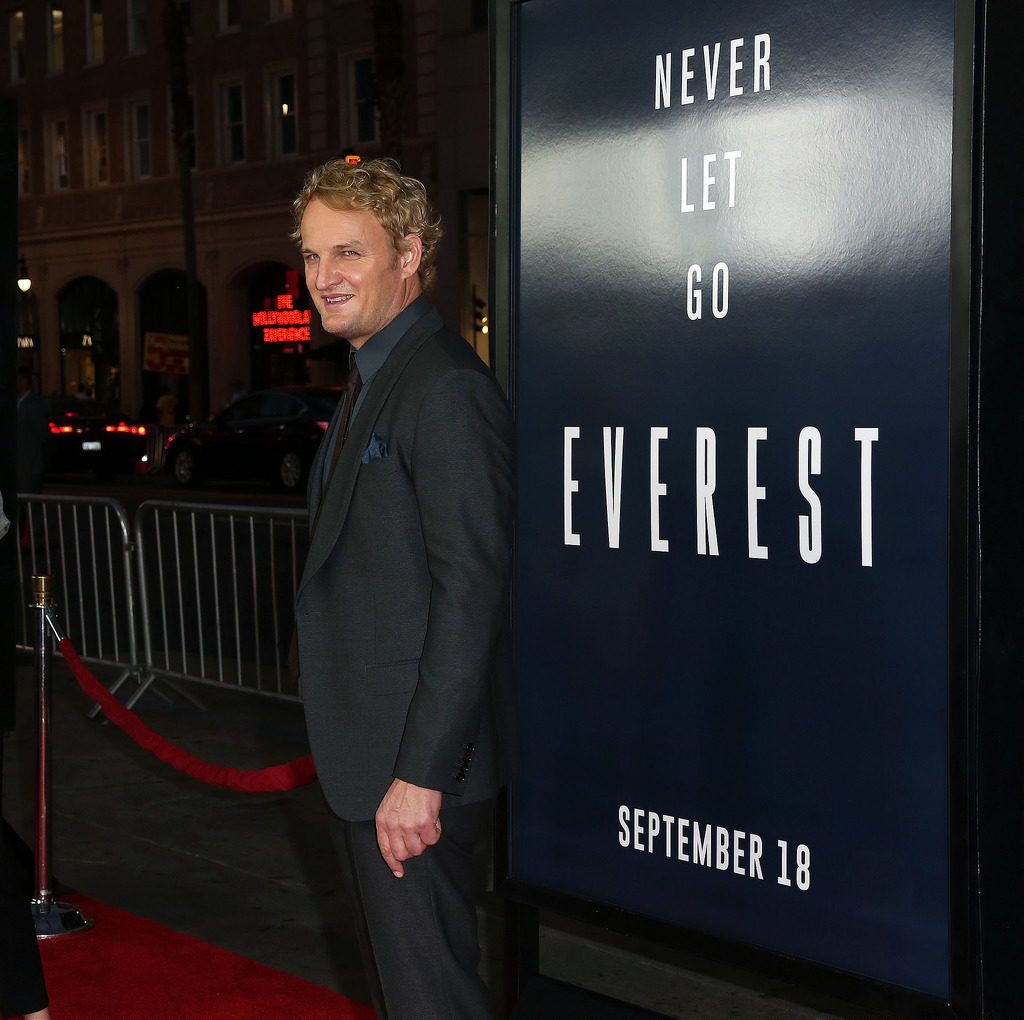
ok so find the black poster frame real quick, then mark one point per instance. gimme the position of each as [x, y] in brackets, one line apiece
[525, 900]
[8, 405]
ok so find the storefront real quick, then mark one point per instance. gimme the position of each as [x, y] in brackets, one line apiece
[163, 334]
[89, 340]
[280, 323]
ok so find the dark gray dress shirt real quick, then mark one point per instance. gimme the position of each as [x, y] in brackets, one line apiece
[371, 356]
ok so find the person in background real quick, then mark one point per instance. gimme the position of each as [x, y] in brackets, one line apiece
[167, 406]
[22, 987]
[33, 434]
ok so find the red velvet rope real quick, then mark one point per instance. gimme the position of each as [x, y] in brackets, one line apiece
[276, 778]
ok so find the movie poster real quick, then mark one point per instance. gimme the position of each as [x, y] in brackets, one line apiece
[731, 379]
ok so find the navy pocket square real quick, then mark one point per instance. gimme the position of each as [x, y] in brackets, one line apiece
[376, 450]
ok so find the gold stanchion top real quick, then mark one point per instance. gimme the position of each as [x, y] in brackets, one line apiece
[42, 589]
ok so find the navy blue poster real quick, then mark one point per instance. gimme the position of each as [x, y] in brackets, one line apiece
[732, 355]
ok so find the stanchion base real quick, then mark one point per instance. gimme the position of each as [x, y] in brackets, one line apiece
[53, 918]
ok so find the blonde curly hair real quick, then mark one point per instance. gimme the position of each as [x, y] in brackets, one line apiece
[400, 204]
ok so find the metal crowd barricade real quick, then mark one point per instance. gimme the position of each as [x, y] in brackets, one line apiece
[217, 591]
[85, 543]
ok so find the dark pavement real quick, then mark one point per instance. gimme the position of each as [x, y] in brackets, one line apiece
[255, 873]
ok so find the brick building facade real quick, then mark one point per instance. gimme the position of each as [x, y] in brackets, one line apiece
[276, 87]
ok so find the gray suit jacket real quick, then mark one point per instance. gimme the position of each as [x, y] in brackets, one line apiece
[402, 611]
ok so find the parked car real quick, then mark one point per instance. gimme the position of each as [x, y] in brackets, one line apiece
[86, 436]
[270, 434]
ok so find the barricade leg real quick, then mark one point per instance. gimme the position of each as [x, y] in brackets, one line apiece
[152, 678]
[144, 684]
[52, 918]
[149, 681]
[113, 688]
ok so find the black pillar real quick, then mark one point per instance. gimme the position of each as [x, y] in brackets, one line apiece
[998, 519]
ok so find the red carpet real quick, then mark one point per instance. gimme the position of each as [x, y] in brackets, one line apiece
[128, 968]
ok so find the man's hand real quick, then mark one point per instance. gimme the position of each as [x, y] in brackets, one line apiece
[407, 823]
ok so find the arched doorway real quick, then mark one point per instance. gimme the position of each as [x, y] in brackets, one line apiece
[90, 344]
[279, 316]
[163, 336]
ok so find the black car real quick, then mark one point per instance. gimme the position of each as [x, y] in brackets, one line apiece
[86, 436]
[269, 434]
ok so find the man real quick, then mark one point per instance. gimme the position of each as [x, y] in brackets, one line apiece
[166, 407]
[402, 612]
[33, 434]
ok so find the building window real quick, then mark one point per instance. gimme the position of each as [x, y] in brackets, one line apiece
[232, 120]
[55, 38]
[230, 17]
[97, 149]
[24, 165]
[282, 8]
[284, 110]
[137, 26]
[59, 176]
[139, 131]
[362, 99]
[94, 31]
[16, 39]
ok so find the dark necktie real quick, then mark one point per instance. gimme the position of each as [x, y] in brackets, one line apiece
[352, 387]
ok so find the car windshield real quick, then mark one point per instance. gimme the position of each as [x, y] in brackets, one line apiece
[244, 409]
[279, 405]
[322, 405]
[75, 407]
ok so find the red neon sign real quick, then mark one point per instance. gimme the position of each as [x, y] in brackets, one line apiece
[284, 323]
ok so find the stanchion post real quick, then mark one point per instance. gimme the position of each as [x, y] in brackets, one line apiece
[51, 917]
[41, 597]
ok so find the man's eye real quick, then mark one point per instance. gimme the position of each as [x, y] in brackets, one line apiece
[309, 257]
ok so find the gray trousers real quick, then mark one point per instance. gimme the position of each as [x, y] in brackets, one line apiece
[418, 934]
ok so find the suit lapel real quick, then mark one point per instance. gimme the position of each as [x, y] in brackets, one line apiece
[314, 482]
[334, 510]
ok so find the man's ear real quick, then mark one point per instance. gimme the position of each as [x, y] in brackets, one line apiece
[410, 255]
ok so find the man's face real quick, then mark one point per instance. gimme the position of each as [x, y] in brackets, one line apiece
[358, 282]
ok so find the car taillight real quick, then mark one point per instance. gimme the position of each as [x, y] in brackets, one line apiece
[57, 429]
[325, 425]
[135, 430]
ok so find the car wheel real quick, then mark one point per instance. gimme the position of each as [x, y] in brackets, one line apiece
[186, 469]
[291, 469]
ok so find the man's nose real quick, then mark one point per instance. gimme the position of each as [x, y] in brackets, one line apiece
[326, 276]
